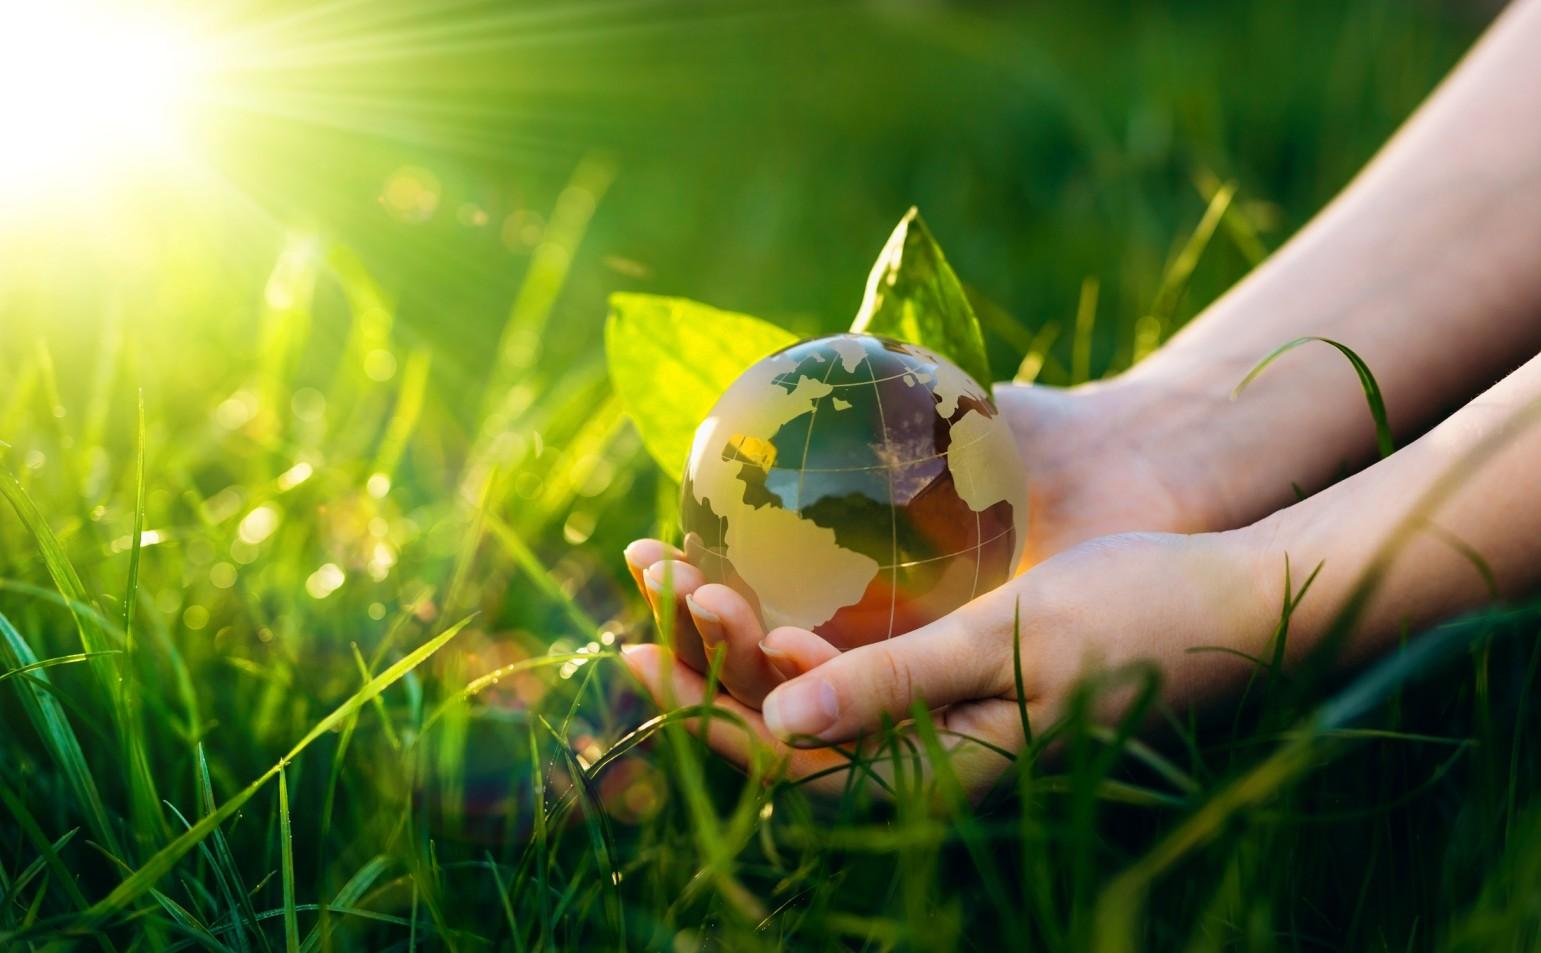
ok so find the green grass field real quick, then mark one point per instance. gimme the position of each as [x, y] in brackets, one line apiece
[315, 489]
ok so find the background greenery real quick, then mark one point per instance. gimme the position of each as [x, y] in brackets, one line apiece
[367, 341]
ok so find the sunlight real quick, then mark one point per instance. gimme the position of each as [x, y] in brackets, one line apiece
[87, 91]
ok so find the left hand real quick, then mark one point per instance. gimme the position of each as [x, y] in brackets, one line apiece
[1110, 601]
[1099, 459]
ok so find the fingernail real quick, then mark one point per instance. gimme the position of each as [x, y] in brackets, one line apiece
[779, 660]
[801, 707]
[651, 580]
[631, 657]
[707, 622]
[632, 569]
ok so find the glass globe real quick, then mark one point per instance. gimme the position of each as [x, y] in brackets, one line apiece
[855, 486]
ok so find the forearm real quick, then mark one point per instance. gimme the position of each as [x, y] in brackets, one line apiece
[1469, 488]
[1428, 266]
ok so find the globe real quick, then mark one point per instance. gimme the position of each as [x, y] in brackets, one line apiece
[856, 486]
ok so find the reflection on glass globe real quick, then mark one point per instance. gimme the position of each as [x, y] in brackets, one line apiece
[855, 486]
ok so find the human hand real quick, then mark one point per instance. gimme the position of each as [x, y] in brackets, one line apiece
[1113, 457]
[1105, 603]
[1095, 465]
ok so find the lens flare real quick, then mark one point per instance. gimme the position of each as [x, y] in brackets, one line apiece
[87, 90]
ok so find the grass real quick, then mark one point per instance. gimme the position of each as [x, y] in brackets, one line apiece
[310, 585]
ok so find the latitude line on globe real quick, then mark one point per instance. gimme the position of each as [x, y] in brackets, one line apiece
[916, 562]
[782, 378]
[902, 463]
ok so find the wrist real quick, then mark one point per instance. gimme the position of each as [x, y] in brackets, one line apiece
[1293, 547]
[1233, 601]
[1178, 430]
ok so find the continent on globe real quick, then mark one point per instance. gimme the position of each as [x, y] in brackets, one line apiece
[856, 486]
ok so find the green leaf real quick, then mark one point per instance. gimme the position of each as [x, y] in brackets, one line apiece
[913, 295]
[671, 358]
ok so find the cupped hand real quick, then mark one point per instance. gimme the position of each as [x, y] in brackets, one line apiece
[1115, 457]
[1108, 602]
[1093, 468]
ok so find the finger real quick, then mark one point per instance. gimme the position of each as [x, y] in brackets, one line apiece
[728, 624]
[676, 686]
[642, 553]
[792, 651]
[957, 658]
[970, 737]
[667, 584]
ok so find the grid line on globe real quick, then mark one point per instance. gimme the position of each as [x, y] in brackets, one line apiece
[906, 500]
[893, 515]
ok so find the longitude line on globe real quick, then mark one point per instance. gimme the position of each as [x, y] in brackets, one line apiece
[972, 550]
[783, 379]
[813, 416]
[893, 514]
[979, 551]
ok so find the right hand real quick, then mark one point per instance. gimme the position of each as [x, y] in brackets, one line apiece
[1130, 598]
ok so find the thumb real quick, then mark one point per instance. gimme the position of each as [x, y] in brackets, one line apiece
[957, 658]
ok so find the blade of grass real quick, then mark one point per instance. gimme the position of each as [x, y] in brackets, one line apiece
[1153, 324]
[159, 865]
[601, 838]
[34, 868]
[536, 571]
[50, 663]
[328, 801]
[1085, 324]
[349, 896]
[508, 911]
[149, 822]
[519, 343]
[223, 860]
[1036, 356]
[286, 841]
[1120, 903]
[136, 543]
[1372, 395]
[183, 917]
[58, 737]
[540, 842]
[29, 826]
[379, 703]
[1016, 674]
[228, 888]
[947, 784]
[92, 636]
[56, 417]
[409, 406]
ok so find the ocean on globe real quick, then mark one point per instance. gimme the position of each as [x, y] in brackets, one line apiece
[856, 486]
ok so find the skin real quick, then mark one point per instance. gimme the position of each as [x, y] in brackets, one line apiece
[1163, 509]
